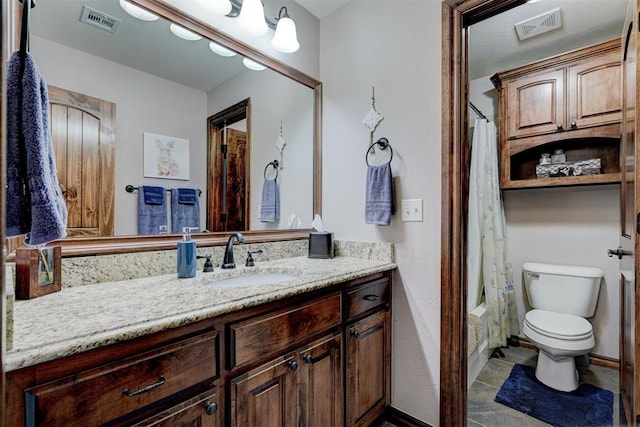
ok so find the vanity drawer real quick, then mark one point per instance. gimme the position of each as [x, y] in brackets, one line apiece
[103, 394]
[367, 296]
[264, 335]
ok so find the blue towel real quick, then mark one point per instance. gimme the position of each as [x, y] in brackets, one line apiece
[185, 209]
[380, 200]
[35, 204]
[270, 205]
[152, 215]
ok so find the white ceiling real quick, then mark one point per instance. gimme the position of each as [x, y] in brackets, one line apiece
[494, 44]
[322, 8]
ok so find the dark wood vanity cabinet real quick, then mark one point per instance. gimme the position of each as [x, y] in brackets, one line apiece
[572, 102]
[321, 359]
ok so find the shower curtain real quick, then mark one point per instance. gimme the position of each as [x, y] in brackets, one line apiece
[487, 268]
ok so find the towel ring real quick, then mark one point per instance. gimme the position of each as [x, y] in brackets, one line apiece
[275, 165]
[383, 144]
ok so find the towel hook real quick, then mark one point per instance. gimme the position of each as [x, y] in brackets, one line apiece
[383, 144]
[275, 165]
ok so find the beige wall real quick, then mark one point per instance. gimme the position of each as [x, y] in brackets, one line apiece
[397, 50]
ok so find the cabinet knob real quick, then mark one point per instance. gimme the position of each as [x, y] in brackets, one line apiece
[211, 408]
[308, 359]
[559, 126]
[574, 125]
[293, 365]
[355, 333]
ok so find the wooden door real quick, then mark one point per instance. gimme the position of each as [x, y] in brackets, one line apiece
[83, 135]
[236, 181]
[368, 368]
[594, 92]
[266, 396]
[321, 390]
[630, 208]
[536, 104]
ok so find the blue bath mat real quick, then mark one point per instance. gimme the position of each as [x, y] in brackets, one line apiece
[587, 406]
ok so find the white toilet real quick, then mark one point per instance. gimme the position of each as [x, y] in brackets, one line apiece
[562, 297]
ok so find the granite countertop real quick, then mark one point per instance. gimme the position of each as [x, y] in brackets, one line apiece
[78, 319]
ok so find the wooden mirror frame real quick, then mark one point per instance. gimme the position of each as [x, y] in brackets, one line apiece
[457, 16]
[80, 246]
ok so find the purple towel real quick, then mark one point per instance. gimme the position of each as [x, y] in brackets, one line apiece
[185, 209]
[270, 203]
[152, 210]
[379, 203]
[35, 204]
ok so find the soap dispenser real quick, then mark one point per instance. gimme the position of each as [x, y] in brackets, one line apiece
[186, 255]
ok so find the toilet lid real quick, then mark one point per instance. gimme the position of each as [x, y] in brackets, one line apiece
[558, 325]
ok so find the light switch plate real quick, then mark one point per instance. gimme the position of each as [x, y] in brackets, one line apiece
[412, 210]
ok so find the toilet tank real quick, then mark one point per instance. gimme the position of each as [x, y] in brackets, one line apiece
[563, 288]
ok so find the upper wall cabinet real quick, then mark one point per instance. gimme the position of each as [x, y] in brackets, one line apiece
[570, 102]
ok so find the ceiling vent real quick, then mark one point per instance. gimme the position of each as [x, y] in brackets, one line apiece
[98, 19]
[540, 24]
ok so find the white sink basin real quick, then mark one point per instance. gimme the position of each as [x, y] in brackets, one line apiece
[255, 279]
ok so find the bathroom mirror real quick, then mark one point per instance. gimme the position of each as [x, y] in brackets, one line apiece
[161, 84]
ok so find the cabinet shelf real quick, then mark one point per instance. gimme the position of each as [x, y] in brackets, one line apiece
[603, 178]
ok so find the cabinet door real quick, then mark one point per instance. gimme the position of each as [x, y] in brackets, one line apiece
[368, 368]
[595, 92]
[321, 392]
[266, 396]
[535, 104]
[203, 410]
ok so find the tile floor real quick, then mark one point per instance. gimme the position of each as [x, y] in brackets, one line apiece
[483, 411]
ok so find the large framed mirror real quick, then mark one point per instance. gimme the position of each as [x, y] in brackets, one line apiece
[162, 87]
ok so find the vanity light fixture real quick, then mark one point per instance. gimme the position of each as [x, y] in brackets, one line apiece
[251, 18]
[219, 7]
[285, 39]
[221, 50]
[137, 11]
[183, 33]
[252, 65]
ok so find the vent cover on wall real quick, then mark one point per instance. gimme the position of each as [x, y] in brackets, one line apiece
[539, 24]
[98, 19]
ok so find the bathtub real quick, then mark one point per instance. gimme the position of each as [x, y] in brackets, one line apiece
[478, 350]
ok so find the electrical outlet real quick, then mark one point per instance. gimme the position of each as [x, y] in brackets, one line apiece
[412, 210]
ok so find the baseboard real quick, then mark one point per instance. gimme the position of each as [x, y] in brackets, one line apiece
[401, 419]
[595, 359]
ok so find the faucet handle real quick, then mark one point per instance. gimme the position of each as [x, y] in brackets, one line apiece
[250, 262]
[208, 265]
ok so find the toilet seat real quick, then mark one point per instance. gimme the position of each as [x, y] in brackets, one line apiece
[558, 325]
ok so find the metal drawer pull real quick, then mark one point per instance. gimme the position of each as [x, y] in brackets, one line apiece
[144, 389]
[308, 359]
[371, 297]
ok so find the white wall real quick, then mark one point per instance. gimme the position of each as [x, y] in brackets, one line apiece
[571, 225]
[396, 49]
[144, 103]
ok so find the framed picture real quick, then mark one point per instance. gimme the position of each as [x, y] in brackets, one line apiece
[165, 157]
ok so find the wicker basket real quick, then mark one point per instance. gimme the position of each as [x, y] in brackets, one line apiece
[582, 167]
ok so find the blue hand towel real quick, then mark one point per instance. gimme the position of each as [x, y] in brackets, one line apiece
[152, 215]
[270, 205]
[185, 209]
[380, 200]
[35, 204]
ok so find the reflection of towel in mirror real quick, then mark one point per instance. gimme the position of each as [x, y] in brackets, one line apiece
[152, 210]
[185, 209]
[379, 202]
[34, 201]
[270, 207]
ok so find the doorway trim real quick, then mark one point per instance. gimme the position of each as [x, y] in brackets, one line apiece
[215, 127]
[457, 16]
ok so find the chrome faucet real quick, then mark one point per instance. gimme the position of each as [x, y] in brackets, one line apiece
[228, 252]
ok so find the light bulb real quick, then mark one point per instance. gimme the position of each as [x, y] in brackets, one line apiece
[251, 18]
[252, 65]
[285, 40]
[221, 50]
[137, 11]
[221, 7]
[183, 33]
